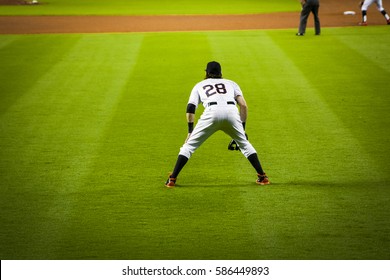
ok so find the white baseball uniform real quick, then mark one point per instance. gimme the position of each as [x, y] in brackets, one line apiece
[380, 7]
[221, 113]
[368, 3]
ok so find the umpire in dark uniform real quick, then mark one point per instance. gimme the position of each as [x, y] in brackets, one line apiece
[309, 6]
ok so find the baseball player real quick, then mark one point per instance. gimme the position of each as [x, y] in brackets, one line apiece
[309, 6]
[367, 3]
[219, 96]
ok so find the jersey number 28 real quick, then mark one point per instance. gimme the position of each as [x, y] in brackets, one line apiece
[214, 89]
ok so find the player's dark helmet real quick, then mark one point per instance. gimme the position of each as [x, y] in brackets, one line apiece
[213, 70]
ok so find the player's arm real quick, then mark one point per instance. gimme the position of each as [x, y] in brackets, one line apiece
[243, 109]
[243, 116]
[190, 115]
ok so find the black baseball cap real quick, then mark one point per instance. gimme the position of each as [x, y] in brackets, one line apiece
[213, 67]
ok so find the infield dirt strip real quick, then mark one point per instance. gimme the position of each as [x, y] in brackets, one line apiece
[331, 15]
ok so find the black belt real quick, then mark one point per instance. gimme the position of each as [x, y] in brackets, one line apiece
[215, 103]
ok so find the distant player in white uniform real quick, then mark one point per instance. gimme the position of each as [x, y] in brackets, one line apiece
[219, 96]
[367, 3]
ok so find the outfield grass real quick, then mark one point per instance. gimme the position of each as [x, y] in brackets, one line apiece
[151, 7]
[91, 124]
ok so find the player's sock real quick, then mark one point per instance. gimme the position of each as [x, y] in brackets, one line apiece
[364, 16]
[181, 161]
[254, 160]
[385, 14]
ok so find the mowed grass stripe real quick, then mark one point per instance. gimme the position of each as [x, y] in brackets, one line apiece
[348, 159]
[357, 99]
[55, 130]
[371, 44]
[5, 40]
[305, 152]
[368, 99]
[28, 58]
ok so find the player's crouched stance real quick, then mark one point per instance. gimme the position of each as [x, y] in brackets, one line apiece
[364, 7]
[219, 96]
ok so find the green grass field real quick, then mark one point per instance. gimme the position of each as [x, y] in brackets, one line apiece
[91, 124]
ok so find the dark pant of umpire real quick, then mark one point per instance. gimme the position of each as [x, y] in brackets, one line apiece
[313, 7]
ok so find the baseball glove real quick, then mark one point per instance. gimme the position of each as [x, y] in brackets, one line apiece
[233, 146]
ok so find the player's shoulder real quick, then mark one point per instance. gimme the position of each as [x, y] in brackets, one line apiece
[217, 80]
[229, 81]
